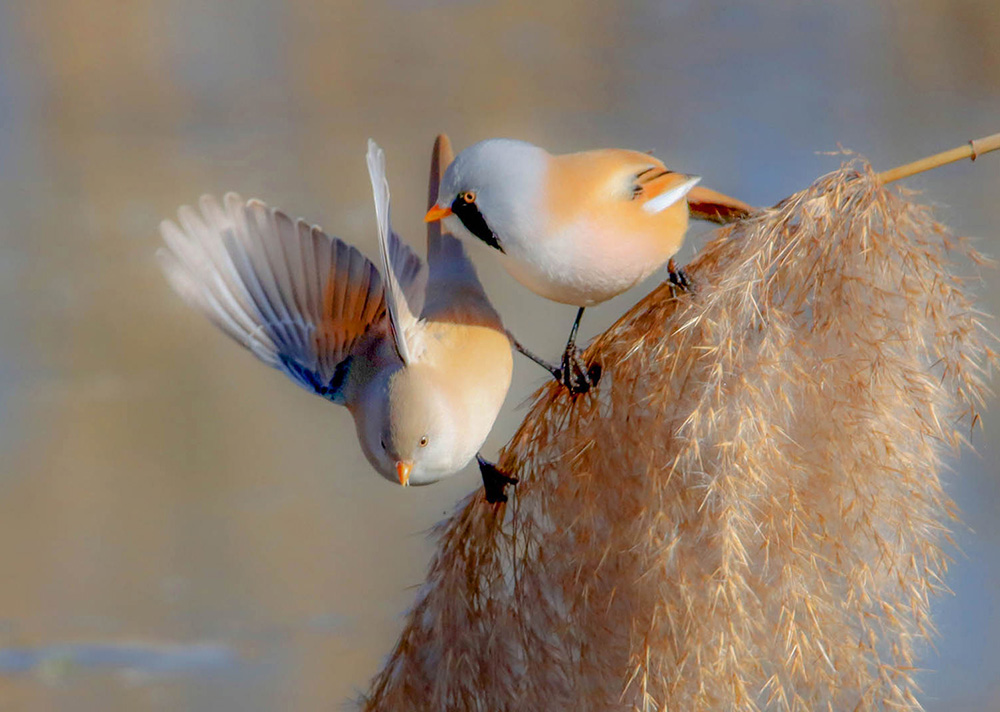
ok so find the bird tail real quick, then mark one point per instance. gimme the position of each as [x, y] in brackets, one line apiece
[294, 296]
[454, 292]
[707, 204]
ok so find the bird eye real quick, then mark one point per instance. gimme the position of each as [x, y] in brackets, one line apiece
[423, 441]
[468, 196]
[382, 443]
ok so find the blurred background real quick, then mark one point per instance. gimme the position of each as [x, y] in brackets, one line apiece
[181, 528]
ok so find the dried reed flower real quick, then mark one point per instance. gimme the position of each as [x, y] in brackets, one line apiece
[748, 513]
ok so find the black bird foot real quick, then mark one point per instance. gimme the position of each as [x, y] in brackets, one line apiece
[495, 481]
[677, 276]
[575, 374]
[571, 372]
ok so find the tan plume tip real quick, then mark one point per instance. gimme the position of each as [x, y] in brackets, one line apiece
[748, 514]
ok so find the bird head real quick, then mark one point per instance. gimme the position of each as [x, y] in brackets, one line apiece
[491, 190]
[412, 432]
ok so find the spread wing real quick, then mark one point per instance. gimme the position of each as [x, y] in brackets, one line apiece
[405, 276]
[294, 296]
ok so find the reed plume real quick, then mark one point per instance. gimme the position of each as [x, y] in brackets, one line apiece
[747, 513]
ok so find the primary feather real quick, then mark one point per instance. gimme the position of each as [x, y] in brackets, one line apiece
[401, 278]
[670, 196]
[297, 298]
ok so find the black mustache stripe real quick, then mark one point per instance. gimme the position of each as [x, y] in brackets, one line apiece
[646, 176]
[474, 222]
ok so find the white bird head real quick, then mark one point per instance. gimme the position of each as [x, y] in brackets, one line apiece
[492, 189]
[411, 429]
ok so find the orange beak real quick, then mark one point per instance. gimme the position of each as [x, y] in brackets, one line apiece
[437, 213]
[403, 468]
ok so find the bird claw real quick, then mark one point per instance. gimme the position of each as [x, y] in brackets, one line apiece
[575, 375]
[495, 481]
[677, 276]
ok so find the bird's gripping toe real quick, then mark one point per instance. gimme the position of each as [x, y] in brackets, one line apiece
[495, 481]
[677, 276]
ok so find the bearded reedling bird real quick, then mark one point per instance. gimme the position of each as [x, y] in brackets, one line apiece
[578, 228]
[424, 392]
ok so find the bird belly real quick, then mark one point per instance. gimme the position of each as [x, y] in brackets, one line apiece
[479, 365]
[592, 260]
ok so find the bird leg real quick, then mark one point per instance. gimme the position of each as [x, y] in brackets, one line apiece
[571, 372]
[677, 276]
[495, 480]
[551, 368]
[574, 373]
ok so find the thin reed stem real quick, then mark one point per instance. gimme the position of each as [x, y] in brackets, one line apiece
[973, 149]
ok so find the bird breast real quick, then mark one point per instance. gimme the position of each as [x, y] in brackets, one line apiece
[597, 255]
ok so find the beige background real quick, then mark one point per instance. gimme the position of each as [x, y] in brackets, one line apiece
[182, 529]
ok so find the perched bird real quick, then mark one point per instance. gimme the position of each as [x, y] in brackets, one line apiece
[578, 228]
[417, 354]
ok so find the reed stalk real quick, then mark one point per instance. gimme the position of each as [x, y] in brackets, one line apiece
[972, 150]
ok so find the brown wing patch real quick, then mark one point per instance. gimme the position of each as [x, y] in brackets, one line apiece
[353, 301]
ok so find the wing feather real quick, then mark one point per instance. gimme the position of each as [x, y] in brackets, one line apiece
[665, 191]
[297, 298]
[397, 261]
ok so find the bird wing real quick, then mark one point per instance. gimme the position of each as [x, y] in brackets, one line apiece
[297, 298]
[658, 189]
[662, 188]
[410, 272]
[454, 291]
[403, 280]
